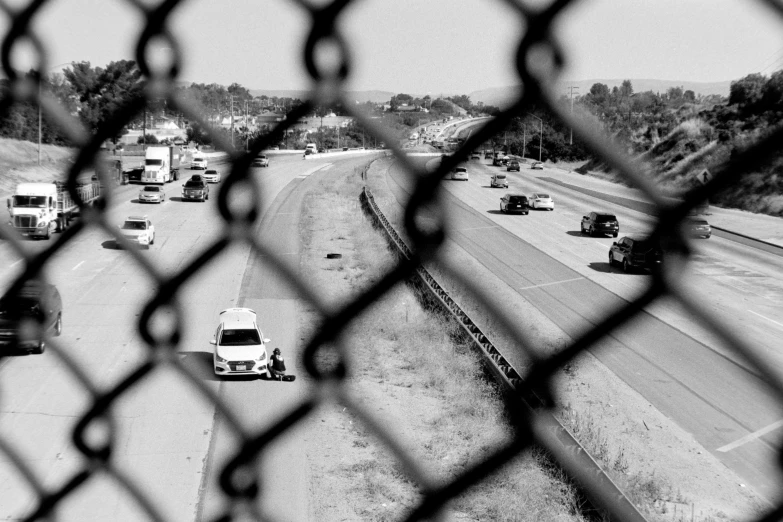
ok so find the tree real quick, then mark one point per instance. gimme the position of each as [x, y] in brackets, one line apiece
[748, 91]
[626, 89]
[151, 139]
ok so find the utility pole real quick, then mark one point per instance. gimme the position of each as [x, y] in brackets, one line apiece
[524, 139]
[247, 130]
[232, 120]
[571, 94]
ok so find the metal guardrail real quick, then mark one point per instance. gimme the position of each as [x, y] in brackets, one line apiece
[330, 86]
[557, 439]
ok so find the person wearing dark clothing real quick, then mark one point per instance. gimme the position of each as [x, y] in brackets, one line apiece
[277, 365]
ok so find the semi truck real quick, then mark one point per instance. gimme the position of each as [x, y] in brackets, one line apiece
[41, 209]
[162, 163]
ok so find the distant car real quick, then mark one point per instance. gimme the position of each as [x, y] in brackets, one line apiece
[694, 227]
[322, 151]
[541, 200]
[133, 175]
[195, 189]
[600, 223]
[513, 165]
[139, 230]
[537, 165]
[152, 194]
[514, 203]
[240, 346]
[488, 154]
[262, 160]
[212, 176]
[475, 155]
[199, 162]
[345, 149]
[459, 174]
[499, 180]
[37, 302]
[632, 253]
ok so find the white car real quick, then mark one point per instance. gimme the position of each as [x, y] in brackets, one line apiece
[459, 173]
[240, 346]
[199, 162]
[152, 194]
[138, 229]
[211, 176]
[541, 200]
[260, 161]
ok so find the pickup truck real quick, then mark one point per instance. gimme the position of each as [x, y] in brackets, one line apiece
[197, 190]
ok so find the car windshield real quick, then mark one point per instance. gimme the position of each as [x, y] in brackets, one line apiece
[193, 184]
[460, 169]
[500, 176]
[151, 189]
[698, 222]
[134, 225]
[240, 337]
[20, 306]
[30, 201]
[542, 196]
[517, 199]
[153, 162]
[604, 218]
[210, 172]
[198, 160]
[643, 246]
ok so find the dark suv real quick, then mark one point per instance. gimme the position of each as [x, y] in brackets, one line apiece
[600, 223]
[631, 252]
[36, 304]
[514, 203]
[195, 189]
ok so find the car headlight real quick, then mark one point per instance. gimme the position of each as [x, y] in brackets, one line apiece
[42, 224]
[262, 358]
[220, 359]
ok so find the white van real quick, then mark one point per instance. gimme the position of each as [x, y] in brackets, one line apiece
[312, 147]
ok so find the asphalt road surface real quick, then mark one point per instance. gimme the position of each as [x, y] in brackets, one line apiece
[675, 363]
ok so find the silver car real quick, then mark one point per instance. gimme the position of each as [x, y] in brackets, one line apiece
[152, 194]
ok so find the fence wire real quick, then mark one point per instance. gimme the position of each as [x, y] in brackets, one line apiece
[539, 61]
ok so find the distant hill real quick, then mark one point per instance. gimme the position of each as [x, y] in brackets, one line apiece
[360, 96]
[503, 96]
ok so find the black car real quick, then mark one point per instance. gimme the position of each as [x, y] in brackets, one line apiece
[133, 175]
[600, 223]
[195, 190]
[29, 315]
[631, 253]
[513, 165]
[695, 227]
[514, 203]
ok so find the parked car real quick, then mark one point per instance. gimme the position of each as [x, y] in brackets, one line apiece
[537, 165]
[199, 162]
[37, 302]
[513, 165]
[499, 180]
[139, 230]
[696, 227]
[212, 176]
[152, 194]
[600, 223]
[459, 173]
[541, 200]
[240, 346]
[514, 203]
[632, 253]
[196, 189]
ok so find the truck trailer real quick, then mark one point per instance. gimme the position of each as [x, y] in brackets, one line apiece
[41, 209]
[162, 163]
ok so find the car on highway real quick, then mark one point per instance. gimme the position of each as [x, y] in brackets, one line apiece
[262, 160]
[199, 162]
[36, 304]
[512, 203]
[488, 154]
[537, 165]
[697, 227]
[197, 177]
[240, 345]
[475, 155]
[152, 194]
[541, 200]
[499, 180]
[195, 189]
[600, 223]
[632, 253]
[212, 176]
[459, 174]
[133, 175]
[512, 165]
[139, 230]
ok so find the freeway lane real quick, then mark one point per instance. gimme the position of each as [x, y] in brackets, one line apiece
[163, 429]
[677, 366]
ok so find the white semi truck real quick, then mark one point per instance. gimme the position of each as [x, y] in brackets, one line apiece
[41, 209]
[161, 164]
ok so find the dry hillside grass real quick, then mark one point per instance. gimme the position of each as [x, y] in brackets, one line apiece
[19, 163]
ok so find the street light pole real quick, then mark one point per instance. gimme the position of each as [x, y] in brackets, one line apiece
[540, 135]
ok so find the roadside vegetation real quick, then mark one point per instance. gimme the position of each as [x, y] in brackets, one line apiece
[410, 370]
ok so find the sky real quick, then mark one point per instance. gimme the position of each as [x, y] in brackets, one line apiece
[425, 46]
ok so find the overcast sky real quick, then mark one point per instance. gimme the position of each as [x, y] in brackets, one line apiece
[436, 46]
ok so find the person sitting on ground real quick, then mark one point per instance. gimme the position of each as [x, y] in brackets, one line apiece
[277, 365]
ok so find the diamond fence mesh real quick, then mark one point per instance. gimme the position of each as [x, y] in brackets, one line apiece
[539, 60]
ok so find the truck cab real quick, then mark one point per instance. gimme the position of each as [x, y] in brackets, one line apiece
[157, 165]
[33, 208]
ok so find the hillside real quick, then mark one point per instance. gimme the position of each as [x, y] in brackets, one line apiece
[359, 96]
[19, 163]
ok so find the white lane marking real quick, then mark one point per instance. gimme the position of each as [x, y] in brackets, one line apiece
[750, 437]
[476, 228]
[550, 284]
[314, 170]
[286, 213]
[77, 266]
[767, 318]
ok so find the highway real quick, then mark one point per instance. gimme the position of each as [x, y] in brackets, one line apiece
[168, 439]
[676, 364]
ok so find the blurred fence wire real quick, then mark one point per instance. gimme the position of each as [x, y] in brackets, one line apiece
[539, 60]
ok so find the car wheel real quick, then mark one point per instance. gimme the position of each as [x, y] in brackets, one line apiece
[614, 235]
[152, 239]
[58, 325]
[626, 266]
[41, 348]
[611, 259]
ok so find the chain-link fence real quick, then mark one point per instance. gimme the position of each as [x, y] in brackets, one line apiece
[539, 60]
